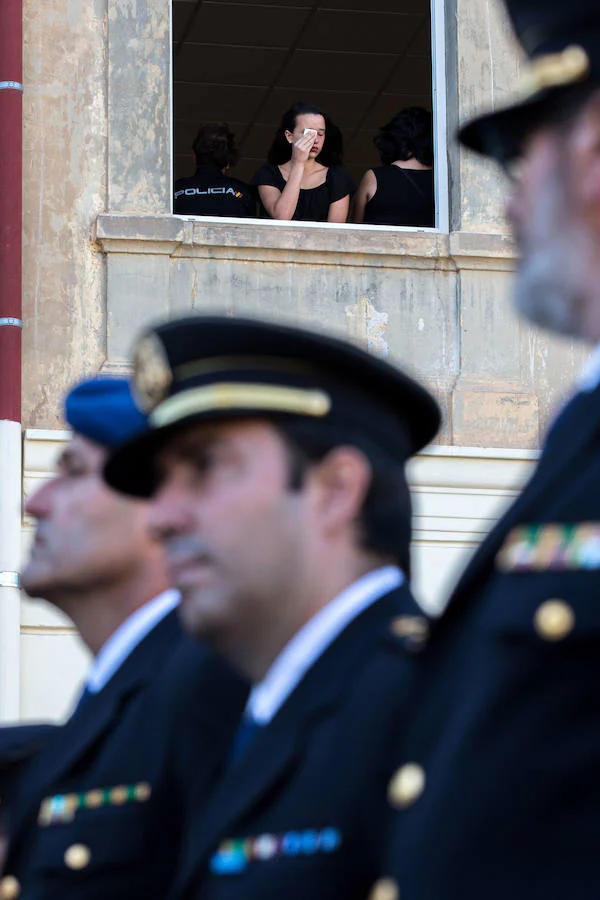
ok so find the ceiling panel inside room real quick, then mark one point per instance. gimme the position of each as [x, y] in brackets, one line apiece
[246, 63]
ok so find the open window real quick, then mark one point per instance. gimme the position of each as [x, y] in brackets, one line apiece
[246, 62]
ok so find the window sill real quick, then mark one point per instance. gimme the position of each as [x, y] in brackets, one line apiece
[310, 243]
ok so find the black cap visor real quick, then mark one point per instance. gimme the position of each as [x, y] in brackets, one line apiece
[501, 134]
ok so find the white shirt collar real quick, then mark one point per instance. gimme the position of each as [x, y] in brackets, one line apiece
[589, 378]
[127, 637]
[314, 638]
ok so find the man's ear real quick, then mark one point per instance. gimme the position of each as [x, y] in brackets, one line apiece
[342, 478]
[585, 145]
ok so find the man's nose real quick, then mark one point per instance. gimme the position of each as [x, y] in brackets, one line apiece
[37, 504]
[169, 513]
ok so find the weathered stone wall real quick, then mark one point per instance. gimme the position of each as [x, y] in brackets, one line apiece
[98, 143]
[64, 189]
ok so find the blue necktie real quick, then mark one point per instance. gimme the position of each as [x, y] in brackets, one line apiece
[245, 734]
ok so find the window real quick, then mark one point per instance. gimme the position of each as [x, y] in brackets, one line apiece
[246, 62]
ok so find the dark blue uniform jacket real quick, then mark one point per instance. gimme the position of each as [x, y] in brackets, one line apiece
[18, 745]
[98, 813]
[300, 815]
[505, 722]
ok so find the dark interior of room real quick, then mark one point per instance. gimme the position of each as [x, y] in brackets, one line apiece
[245, 63]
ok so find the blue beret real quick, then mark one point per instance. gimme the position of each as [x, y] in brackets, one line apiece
[104, 411]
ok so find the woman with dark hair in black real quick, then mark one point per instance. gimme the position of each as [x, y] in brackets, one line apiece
[304, 178]
[211, 191]
[400, 191]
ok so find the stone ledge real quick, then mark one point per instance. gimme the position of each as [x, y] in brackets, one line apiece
[351, 245]
[471, 250]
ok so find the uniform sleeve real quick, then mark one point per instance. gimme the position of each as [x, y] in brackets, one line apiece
[340, 183]
[267, 174]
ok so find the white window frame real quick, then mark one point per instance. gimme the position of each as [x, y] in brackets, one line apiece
[440, 136]
[440, 116]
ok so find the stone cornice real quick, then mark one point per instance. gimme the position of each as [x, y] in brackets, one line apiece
[303, 243]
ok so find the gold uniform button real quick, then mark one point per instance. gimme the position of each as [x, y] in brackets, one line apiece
[406, 786]
[77, 856]
[554, 620]
[10, 888]
[413, 629]
[385, 889]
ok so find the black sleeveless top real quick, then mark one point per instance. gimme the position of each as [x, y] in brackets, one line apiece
[403, 197]
[313, 203]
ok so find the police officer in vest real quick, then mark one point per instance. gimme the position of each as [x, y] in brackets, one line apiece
[275, 459]
[497, 788]
[211, 190]
[98, 811]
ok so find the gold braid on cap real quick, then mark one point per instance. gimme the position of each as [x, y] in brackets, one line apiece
[225, 396]
[556, 70]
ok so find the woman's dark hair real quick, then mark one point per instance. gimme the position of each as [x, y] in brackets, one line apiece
[281, 150]
[409, 134]
[215, 145]
[386, 514]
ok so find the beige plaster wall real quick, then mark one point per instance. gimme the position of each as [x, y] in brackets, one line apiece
[103, 256]
[64, 189]
[488, 69]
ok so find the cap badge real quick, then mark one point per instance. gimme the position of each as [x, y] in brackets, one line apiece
[152, 375]
[556, 70]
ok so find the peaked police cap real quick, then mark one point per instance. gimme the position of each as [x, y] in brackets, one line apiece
[206, 368]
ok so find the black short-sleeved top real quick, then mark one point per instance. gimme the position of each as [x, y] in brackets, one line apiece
[404, 197]
[313, 203]
[211, 193]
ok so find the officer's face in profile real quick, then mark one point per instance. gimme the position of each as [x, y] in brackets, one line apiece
[86, 536]
[554, 212]
[242, 541]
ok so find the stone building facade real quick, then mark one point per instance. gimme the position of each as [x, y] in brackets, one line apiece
[103, 255]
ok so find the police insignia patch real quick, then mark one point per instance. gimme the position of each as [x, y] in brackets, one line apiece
[152, 375]
[552, 547]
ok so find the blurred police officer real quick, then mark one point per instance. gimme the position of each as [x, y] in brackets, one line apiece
[497, 792]
[98, 811]
[276, 459]
[211, 191]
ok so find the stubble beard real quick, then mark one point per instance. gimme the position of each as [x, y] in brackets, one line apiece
[548, 291]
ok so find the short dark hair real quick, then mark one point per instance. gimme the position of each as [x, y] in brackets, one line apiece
[280, 150]
[386, 515]
[408, 134]
[215, 145]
